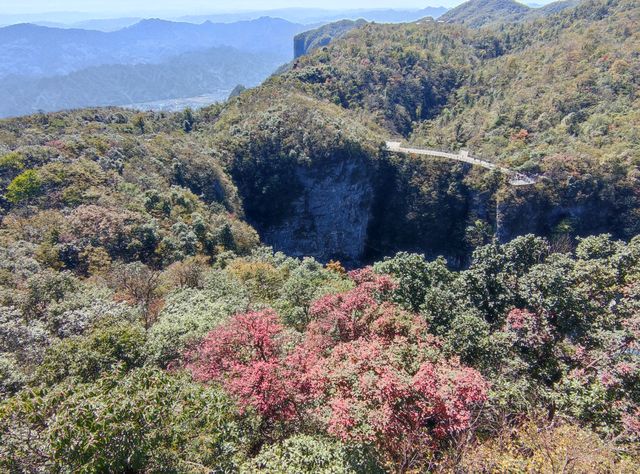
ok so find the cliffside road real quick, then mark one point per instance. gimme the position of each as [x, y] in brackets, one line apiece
[515, 178]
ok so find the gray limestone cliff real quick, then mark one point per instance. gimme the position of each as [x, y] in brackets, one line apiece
[330, 217]
[308, 41]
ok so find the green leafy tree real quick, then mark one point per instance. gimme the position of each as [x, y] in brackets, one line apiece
[415, 276]
[147, 420]
[305, 454]
[24, 186]
[85, 359]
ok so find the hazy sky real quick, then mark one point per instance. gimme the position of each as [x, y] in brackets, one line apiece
[193, 6]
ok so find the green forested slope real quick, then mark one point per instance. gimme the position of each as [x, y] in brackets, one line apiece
[115, 185]
[477, 13]
[556, 96]
[143, 327]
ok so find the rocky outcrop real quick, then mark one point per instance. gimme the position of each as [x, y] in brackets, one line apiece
[330, 217]
[308, 41]
[530, 210]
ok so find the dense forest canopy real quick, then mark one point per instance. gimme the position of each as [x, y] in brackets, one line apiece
[261, 286]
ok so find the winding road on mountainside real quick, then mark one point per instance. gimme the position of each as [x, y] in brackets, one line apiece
[515, 178]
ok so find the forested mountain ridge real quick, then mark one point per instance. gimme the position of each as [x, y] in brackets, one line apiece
[529, 95]
[479, 13]
[476, 13]
[308, 41]
[144, 327]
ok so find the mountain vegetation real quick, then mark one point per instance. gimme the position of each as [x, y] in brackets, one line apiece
[262, 286]
[476, 13]
[308, 41]
[479, 13]
[527, 95]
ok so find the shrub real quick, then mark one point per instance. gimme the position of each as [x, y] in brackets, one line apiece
[86, 358]
[189, 314]
[148, 420]
[11, 377]
[23, 187]
[536, 447]
[305, 454]
[12, 161]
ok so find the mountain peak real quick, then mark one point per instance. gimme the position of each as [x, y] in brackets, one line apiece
[477, 13]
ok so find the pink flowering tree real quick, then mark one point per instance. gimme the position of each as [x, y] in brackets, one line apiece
[365, 371]
[245, 355]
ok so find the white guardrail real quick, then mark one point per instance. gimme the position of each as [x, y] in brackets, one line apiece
[515, 178]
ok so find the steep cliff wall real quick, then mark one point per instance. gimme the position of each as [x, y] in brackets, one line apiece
[359, 210]
[308, 41]
[534, 210]
[330, 216]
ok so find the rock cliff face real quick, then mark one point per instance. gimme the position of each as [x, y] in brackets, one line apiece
[359, 210]
[330, 217]
[527, 211]
[306, 42]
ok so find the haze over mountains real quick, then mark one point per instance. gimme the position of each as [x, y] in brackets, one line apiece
[67, 60]
[43, 68]
[307, 16]
[313, 16]
[210, 72]
[54, 65]
[41, 51]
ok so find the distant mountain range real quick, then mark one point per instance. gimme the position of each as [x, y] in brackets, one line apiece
[307, 16]
[106, 25]
[214, 72]
[48, 69]
[30, 50]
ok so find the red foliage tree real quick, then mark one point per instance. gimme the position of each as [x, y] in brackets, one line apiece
[245, 355]
[528, 330]
[371, 395]
[366, 370]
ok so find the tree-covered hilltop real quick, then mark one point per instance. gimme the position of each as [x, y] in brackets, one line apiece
[308, 41]
[399, 74]
[477, 13]
[567, 84]
[82, 189]
[492, 13]
[541, 85]
[555, 97]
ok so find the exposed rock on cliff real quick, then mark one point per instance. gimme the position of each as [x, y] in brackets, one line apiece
[330, 217]
[310, 40]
